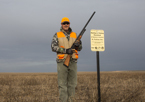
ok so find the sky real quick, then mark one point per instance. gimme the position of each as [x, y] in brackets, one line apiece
[28, 26]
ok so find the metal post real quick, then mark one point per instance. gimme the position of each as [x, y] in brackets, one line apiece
[98, 76]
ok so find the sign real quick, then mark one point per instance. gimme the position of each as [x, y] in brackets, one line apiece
[97, 40]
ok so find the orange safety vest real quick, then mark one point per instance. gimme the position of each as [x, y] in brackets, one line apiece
[64, 43]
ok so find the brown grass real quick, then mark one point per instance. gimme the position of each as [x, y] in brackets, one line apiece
[42, 87]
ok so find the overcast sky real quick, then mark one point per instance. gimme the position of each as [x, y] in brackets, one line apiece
[27, 28]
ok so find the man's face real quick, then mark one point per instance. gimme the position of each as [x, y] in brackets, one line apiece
[65, 26]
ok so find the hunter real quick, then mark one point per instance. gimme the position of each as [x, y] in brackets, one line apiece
[67, 76]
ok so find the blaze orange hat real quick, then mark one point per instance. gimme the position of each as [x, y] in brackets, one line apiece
[65, 19]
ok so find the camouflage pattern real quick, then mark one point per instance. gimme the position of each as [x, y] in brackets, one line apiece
[54, 44]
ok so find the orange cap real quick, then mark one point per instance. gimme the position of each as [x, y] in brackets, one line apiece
[65, 19]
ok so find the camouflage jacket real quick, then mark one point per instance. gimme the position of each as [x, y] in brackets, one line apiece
[55, 47]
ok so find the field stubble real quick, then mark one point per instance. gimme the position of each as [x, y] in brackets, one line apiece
[43, 87]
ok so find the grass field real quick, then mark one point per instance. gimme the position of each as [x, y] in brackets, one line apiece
[127, 86]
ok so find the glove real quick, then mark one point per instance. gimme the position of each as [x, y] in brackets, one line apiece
[77, 44]
[69, 51]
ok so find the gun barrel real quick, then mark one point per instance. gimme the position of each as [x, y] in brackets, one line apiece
[89, 20]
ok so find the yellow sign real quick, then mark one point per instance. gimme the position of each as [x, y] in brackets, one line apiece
[97, 40]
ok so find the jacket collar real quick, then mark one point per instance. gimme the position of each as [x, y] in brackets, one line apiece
[70, 30]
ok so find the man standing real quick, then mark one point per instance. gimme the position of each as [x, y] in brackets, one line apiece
[67, 76]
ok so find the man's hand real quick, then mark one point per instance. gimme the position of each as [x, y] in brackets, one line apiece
[69, 51]
[77, 44]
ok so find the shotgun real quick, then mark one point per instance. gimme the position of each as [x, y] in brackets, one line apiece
[67, 60]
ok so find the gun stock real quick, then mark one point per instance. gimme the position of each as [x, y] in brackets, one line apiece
[67, 60]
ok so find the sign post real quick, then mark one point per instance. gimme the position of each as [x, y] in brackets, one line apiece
[98, 76]
[97, 44]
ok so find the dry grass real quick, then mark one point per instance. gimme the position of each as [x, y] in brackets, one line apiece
[42, 87]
